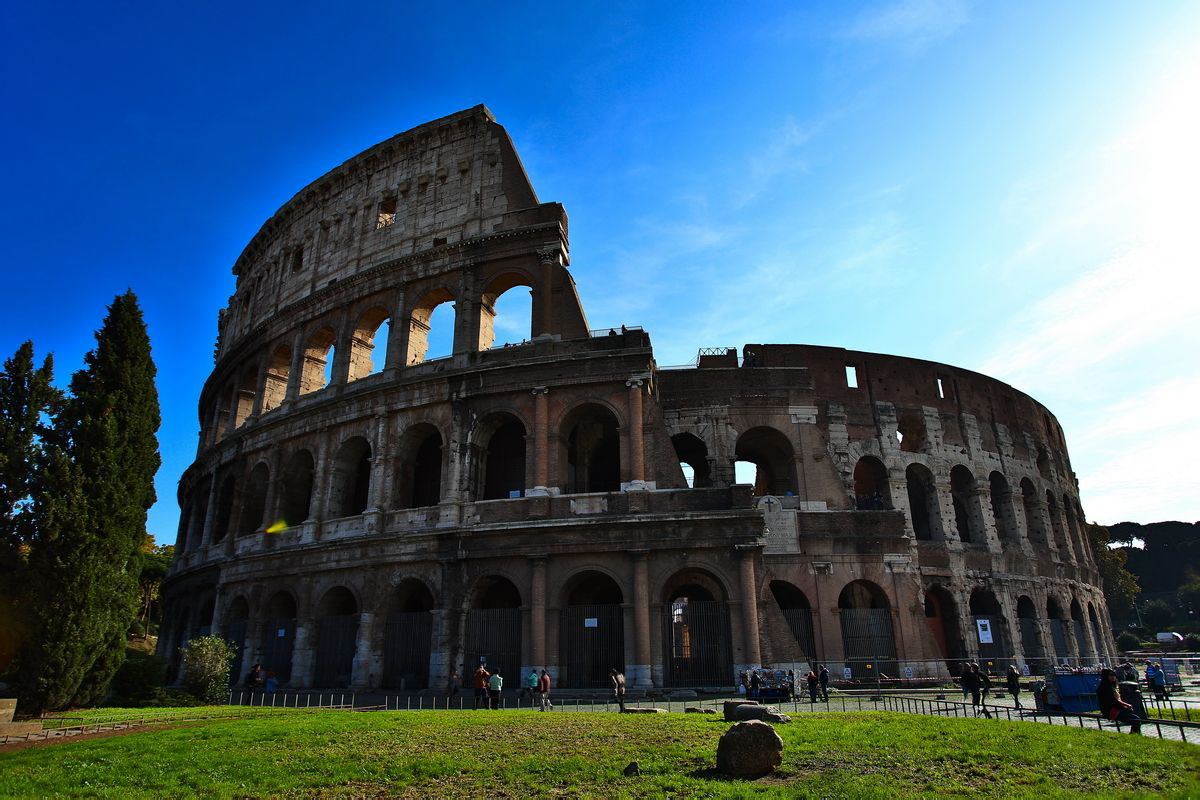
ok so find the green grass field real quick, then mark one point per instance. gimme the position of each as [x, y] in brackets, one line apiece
[525, 754]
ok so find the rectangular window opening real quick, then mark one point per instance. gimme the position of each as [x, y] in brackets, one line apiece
[851, 376]
[941, 387]
[387, 213]
[297, 259]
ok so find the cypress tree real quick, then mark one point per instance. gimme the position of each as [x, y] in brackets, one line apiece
[94, 487]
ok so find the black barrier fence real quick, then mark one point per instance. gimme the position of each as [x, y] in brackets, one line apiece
[591, 641]
[696, 643]
[406, 646]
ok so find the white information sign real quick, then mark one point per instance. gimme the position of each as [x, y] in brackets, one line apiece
[846, 673]
[591, 622]
[985, 630]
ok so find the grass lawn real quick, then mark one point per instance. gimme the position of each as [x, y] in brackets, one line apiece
[524, 754]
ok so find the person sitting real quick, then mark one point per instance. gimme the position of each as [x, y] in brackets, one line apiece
[256, 678]
[1112, 707]
[272, 685]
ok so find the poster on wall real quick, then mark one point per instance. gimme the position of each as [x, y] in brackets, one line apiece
[985, 630]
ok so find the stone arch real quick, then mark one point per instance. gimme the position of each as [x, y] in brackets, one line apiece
[297, 488]
[199, 516]
[407, 635]
[419, 469]
[773, 457]
[941, 617]
[871, 489]
[1031, 637]
[337, 637]
[1058, 634]
[488, 299]
[924, 510]
[499, 448]
[1002, 507]
[279, 634]
[989, 620]
[234, 624]
[493, 628]
[226, 493]
[1060, 538]
[318, 360]
[967, 519]
[1073, 529]
[868, 640]
[419, 320]
[1035, 528]
[243, 397]
[363, 342]
[591, 449]
[797, 612]
[1078, 628]
[275, 383]
[254, 499]
[591, 638]
[693, 452]
[1097, 632]
[696, 633]
[350, 481]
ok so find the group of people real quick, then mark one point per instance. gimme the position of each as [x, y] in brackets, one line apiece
[976, 683]
[755, 685]
[1156, 677]
[261, 680]
[489, 685]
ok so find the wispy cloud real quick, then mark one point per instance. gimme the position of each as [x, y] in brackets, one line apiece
[911, 23]
[779, 157]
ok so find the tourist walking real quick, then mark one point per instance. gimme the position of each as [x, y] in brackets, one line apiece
[495, 685]
[454, 684]
[1112, 707]
[755, 683]
[1014, 684]
[531, 686]
[812, 687]
[616, 679]
[985, 686]
[823, 679]
[1157, 678]
[965, 680]
[481, 686]
[544, 690]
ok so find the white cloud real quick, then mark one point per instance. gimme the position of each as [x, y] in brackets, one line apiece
[912, 23]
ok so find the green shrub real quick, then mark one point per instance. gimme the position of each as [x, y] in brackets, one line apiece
[206, 661]
[1127, 641]
[1191, 641]
[139, 679]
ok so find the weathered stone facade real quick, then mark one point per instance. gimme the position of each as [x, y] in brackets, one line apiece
[527, 505]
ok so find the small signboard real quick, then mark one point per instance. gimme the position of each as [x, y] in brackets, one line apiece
[908, 673]
[846, 673]
[985, 630]
[591, 622]
[1025, 669]
[281, 633]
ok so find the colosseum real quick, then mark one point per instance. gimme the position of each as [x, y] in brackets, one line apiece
[362, 515]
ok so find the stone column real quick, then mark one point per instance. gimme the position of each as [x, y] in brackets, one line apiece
[637, 453]
[537, 612]
[376, 500]
[274, 481]
[320, 486]
[551, 260]
[750, 608]
[210, 512]
[541, 445]
[640, 672]
[302, 654]
[367, 662]
[295, 370]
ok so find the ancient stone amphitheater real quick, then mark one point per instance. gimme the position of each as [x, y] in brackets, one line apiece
[361, 515]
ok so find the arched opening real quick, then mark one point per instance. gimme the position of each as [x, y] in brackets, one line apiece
[406, 637]
[591, 631]
[244, 399]
[506, 317]
[350, 483]
[431, 328]
[593, 445]
[991, 630]
[337, 634]
[772, 455]
[696, 633]
[966, 509]
[1097, 636]
[1043, 464]
[419, 470]
[797, 612]
[316, 373]
[1080, 632]
[1034, 527]
[224, 507]
[237, 617]
[501, 440]
[493, 634]
[910, 431]
[182, 542]
[871, 490]
[1031, 637]
[204, 620]
[693, 456]
[941, 616]
[254, 500]
[1073, 529]
[1002, 508]
[297, 488]
[226, 412]
[200, 514]
[278, 371]
[279, 635]
[1060, 539]
[1058, 633]
[370, 334]
[923, 508]
[867, 638]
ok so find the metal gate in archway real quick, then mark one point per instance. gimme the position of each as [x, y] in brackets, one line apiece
[994, 655]
[406, 646]
[493, 638]
[235, 634]
[801, 623]
[1080, 639]
[868, 642]
[1059, 637]
[696, 644]
[591, 641]
[336, 639]
[278, 637]
[1031, 643]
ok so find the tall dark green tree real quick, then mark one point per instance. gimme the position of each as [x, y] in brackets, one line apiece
[94, 488]
[1120, 586]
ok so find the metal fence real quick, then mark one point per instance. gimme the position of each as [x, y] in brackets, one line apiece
[591, 641]
[697, 643]
[406, 644]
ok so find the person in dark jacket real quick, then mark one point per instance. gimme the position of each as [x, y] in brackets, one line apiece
[1108, 693]
[755, 683]
[1013, 680]
[812, 686]
[985, 686]
[616, 680]
[823, 678]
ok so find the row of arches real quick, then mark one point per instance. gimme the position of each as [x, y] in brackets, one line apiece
[763, 458]
[424, 332]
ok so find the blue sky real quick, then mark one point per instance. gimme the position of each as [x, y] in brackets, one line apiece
[1008, 187]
